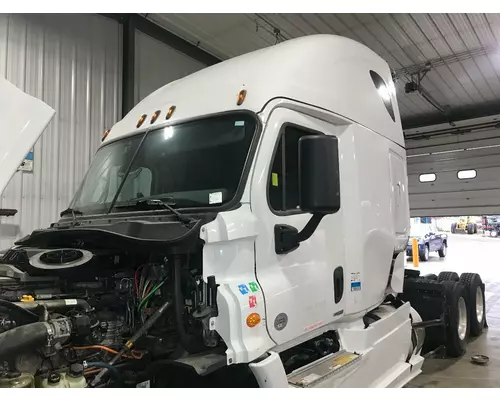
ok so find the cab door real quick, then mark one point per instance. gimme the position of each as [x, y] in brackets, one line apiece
[305, 288]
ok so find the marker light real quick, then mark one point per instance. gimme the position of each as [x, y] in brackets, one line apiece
[155, 116]
[253, 320]
[141, 120]
[241, 97]
[104, 135]
[170, 112]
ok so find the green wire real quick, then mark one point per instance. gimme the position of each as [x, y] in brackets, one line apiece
[153, 291]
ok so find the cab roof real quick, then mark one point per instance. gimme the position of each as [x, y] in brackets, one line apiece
[326, 71]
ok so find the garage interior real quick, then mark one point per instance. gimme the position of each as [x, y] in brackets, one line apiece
[92, 69]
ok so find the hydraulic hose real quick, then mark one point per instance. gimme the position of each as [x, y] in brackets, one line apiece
[23, 339]
[188, 342]
[58, 304]
[21, 315]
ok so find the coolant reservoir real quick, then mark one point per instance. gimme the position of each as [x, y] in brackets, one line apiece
[17, 380]
[72, 379]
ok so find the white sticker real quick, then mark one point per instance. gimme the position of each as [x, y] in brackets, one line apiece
[145, 384]
[355, 281]
[239, 123]
[71, 302]
[215, 198]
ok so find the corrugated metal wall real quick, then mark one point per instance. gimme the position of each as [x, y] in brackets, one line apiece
[73, 63]
[157, 64]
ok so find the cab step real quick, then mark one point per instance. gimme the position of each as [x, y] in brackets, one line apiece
[325, 368]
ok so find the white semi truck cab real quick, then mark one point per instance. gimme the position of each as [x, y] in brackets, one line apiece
[248, 222]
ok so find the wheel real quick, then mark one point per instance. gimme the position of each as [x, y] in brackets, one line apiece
[470, 229]
[448, 276]
[442, 252]
[456, 318]
[453, 227]
[476, 302]
[494, 233]
[432, 277]
[475, 228]
[424, 255]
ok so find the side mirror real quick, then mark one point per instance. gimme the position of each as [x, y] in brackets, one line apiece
[319, 189]
[319, 182]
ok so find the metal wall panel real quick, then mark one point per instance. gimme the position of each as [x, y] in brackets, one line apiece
[73, 63]
[157, 64]
[445, 156]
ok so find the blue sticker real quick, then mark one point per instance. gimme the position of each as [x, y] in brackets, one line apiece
[243, 289]
[355, 286]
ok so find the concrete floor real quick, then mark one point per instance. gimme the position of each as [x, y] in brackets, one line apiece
[469, 253]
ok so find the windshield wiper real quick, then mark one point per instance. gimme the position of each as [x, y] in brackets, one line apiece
[156, 204]
[70, 211]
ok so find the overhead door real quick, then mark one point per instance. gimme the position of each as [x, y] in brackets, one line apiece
[454, 172]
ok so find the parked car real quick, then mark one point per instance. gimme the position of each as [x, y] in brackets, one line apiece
[428, 241]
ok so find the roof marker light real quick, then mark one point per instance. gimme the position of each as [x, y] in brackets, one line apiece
[241, 97]
[170, 112]
[141, 120]
[155, 116]
[105, 134]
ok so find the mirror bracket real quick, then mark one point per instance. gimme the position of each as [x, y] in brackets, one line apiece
[287, 238]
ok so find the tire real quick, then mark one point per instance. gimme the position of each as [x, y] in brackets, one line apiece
[476, 302]
[453, 227]
[470, 229]
[448, 276]
[424, 255]
[432, 277]
[442, 252]
[456, 318]
[475, 228]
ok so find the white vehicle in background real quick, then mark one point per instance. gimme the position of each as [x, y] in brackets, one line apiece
[245, 225]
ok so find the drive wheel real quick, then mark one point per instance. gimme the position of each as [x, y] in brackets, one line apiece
[456, 319]
[476, 304]
[442, 252]
[453, 227]
[470, 229]
[448, 276]
[424, 255]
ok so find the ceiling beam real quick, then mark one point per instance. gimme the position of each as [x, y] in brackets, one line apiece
[454, 114]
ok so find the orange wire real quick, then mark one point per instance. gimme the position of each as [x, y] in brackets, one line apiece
[134, 355]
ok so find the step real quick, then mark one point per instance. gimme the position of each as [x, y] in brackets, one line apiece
[324, 368]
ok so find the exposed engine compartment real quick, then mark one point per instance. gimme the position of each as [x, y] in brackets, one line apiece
[104, 317]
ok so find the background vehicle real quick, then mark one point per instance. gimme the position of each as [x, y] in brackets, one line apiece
[428, 241]
[219, 238]
[465, 225]
[491, 225]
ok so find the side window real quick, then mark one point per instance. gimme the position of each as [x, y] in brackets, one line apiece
[284, 179]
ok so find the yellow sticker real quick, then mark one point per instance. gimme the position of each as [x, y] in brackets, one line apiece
[274, 179]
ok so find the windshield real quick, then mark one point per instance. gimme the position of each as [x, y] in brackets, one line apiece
[195, 164]
[419, 230]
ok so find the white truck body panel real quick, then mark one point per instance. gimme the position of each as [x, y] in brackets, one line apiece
[323, 83]
[24, 119]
